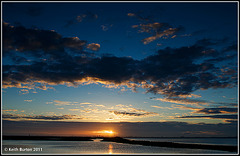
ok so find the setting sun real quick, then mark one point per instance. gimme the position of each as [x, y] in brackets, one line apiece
[109, 132]
[105, 132]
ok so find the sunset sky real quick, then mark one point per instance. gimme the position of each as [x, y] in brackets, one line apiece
[164, 69]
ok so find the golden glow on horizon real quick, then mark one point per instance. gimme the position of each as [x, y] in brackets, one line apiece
[109, 132]
[105, 132]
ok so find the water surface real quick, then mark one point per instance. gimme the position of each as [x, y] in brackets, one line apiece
[91, 147]
[211, 141]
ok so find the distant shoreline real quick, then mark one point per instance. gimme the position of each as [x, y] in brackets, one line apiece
[57, 138]
[179, 137]
[9, 136]
[127, 141]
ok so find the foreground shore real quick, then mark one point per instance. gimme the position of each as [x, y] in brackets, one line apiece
[127, 141]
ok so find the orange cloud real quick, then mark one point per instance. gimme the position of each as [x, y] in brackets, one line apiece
[93, 46]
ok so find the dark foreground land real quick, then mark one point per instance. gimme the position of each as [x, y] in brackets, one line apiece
[174, 145]
[127, 141]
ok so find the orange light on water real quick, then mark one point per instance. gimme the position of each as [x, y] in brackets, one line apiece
[110, 149]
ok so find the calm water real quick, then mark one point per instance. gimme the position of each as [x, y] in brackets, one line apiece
[91, 147]
[212, 141]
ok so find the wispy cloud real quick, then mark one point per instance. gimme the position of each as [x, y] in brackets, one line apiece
[28, 100]
[62, 103]
[159, 30]
[139, 17]
[75, 109]
[183, 101]
[162, 107]
[71, 103]
[182, 107]
[164, 34]
[85, 103]
[100, 105]
[10, 110]
[24, 91]
[197, 102]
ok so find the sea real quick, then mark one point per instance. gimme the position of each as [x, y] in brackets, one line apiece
[97, 147]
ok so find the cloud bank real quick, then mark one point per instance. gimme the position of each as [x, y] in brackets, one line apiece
[213, 116]
[217, 110]
[34, 58]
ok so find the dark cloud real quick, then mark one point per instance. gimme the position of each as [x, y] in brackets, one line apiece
[53, 59]
[124, 113]
[230, 48]
[113, 69]
[40, 117]
[217, 110]
[213, 117]
[38, 43]
[51, 54]
[228, 53]
[176, 72]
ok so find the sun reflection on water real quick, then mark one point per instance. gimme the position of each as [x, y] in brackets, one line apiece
[110, 149]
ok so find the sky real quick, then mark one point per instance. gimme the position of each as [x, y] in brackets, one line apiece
[158, 68]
